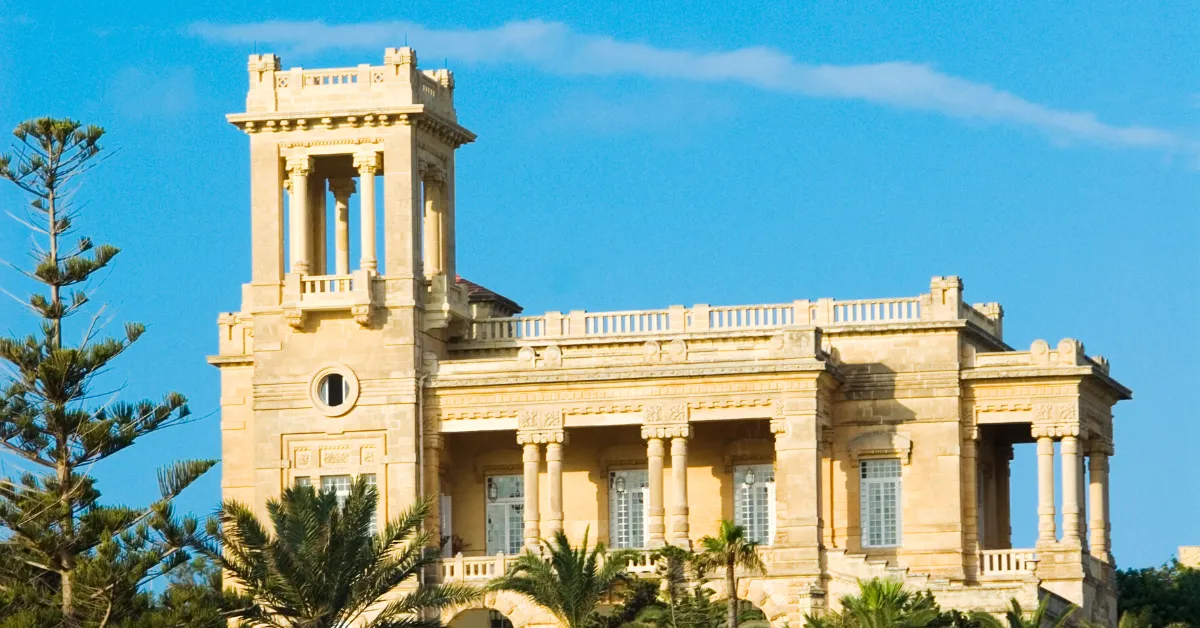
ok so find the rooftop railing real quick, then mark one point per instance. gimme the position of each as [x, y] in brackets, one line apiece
[705, 318]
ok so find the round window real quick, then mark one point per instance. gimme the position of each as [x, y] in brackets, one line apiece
[334, 390]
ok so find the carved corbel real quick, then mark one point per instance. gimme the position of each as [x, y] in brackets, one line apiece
[294, 317]
[363, 314]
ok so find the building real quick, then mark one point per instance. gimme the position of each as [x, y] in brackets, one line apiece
[852, 438]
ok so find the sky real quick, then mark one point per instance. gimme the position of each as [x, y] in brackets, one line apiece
[636, 156]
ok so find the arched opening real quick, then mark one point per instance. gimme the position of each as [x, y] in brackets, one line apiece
[751, 616]
[480, 618]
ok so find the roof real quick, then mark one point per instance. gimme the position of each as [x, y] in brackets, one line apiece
[477, 293]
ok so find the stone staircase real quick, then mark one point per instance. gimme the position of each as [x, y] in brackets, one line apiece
[845, 570]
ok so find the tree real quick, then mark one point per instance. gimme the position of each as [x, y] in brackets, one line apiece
[1015, 616]
[193, 598]
[885, 603]
[568, 581]
[68, 559]
[1165, 595]
[320, 566]
[730, 550]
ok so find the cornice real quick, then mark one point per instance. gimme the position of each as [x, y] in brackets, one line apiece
[418, 115]
[612, 374]
[230, 360]
[1025, 372]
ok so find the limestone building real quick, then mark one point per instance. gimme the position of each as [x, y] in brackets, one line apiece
[851, 438]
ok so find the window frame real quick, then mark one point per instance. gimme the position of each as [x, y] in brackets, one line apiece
[865, 484]
[762, 471]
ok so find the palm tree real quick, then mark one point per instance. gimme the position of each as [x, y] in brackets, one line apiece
[885, 603]
[567, 581]
[1015, 617]
[729, 550]
[321, 567]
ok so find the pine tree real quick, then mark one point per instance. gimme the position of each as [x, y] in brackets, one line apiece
[68, 560]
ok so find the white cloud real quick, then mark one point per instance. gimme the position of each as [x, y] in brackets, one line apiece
[555, 48]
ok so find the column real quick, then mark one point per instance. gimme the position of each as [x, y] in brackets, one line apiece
[1045, 457]
[532, 459]
[680, 534]
[341, 190]
[318, 261]
[1098, 487]
[554, 456]
[367, 164]
[798, 531]
[432, 228]
[655, 528]
[432, 488]
[299, 168]
[1070, 489]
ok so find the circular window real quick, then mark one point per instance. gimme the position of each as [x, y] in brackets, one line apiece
[334, 390]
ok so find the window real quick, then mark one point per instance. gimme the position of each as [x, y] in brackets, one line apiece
[333, 390]
[879, 498]
[754, 501]
[498, 620]
[340, 485]
[627, 503]
[303, 480]
[505, 514]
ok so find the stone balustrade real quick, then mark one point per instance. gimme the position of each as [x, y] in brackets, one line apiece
[705, 318]
[1007, 562]
[478, 569]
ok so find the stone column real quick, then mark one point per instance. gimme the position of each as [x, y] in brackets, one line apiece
[431, 470]
[1098, 487]
[655, 528]
[680, 533]
[299, 168]
[1045, 457]
[434, 210]
[342, 189]
[317, 260]
[367, 164]
[798, 533]
[532, 459]
[1070, 489]
[554, 456]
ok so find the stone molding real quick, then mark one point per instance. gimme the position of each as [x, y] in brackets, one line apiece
[880, 444]
[610, 374]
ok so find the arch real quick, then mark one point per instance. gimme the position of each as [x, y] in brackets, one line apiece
[768, 595]
[518, 610]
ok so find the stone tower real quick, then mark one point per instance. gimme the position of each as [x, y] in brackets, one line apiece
[353, 275]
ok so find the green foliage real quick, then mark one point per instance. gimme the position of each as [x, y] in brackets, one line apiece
[1160, 596]
[317, 564]
[193, 599]
[1017, 618]
[68, 559]
[884, 603]
[672, 600]
[570, 582]
[728, 551]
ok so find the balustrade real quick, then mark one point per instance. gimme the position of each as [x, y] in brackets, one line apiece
[1007, 562]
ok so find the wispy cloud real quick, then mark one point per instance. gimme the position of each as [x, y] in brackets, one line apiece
[555, 48]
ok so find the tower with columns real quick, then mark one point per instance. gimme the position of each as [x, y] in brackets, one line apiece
[851, 439]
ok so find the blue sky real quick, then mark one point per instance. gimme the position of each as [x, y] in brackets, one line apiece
[632, 156]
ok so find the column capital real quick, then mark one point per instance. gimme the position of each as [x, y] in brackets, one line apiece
[342, 189]
[541, 437]
[366, 162]
[300, 165]
[1097, 447]
[682, 430]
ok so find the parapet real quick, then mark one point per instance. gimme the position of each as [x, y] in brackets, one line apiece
[396, 87]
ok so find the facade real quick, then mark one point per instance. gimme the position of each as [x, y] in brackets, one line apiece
[852, 438]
